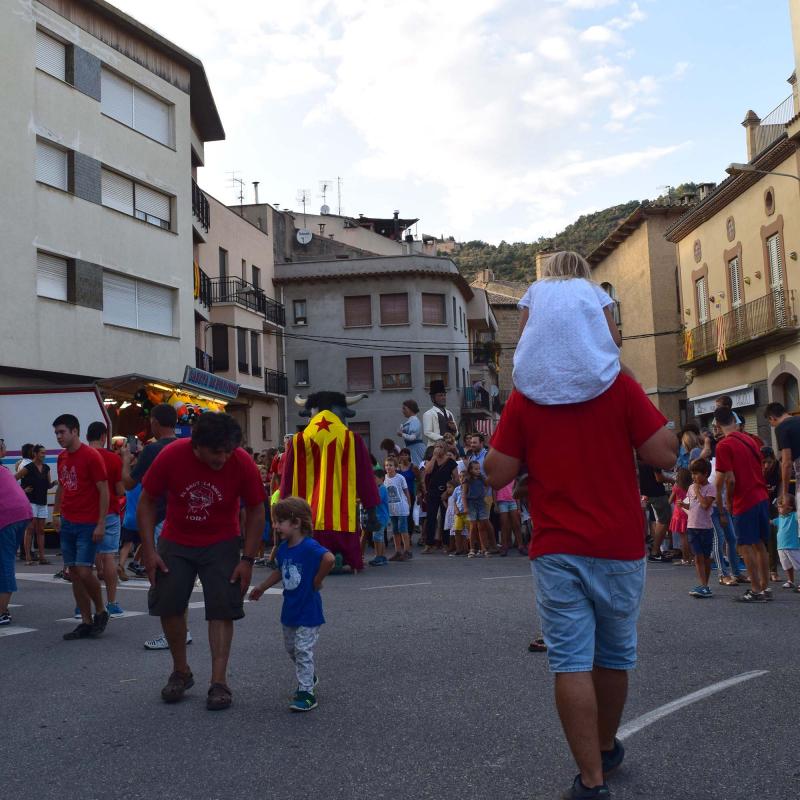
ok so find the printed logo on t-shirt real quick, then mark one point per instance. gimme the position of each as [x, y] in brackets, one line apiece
[200, 496]
[291, 576]
[394, 493]
[69, 478]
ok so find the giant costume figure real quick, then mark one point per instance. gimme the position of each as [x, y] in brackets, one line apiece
[328, 465]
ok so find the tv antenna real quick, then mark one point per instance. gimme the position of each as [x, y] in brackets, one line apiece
[237, 182]
[339, 194]
[669, 190]
[324, 188]
[303, 197]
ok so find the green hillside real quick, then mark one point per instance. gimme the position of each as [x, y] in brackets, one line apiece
[516, 261]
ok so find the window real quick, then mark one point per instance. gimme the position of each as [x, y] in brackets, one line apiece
[701, 297]
[241, 349]
[301, 372]
[133, 198]
[735, 277]
[362, 429]
[266, 429]
[394, 309]
[51, 165]
[51, 276]
[358, 311]
[137, 304]
[255, 353]
[256, 277]
[300, 317]
[359, 375]
[458, 375]
[244, 269]
[775, 252]
[223, 263]
[135, 107]
[436, 368]
[51, 55]
[219, 344]
[612, 293]
[455, 318]
[396, 372]
[433, 309]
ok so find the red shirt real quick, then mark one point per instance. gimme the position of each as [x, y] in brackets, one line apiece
[739, 454]
[202, 503]
[113, 464]
[79, 473]
[583, 493]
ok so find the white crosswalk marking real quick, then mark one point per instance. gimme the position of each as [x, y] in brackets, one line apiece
[11, 630]
[124, 615]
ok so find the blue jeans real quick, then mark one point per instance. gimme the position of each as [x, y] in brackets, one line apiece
[8, 554]
[725, 534]
[589, 608]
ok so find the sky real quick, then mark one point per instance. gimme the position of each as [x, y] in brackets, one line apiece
[487, 119]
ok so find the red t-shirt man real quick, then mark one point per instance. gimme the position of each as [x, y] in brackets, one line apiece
[113, 465]
[738, 453]
[79, 473]
[583, 492]
[202, 503]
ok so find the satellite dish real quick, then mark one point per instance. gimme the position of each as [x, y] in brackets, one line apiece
[304, 236]
[325, 210]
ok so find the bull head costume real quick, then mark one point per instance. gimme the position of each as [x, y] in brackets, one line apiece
[328, 465]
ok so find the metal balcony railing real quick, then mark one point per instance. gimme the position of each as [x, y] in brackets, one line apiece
[203, 360]
[200, 207]
[236, 290]
[771, 314]
[204, 294]
[476, 399]
[773, 125]
[276, 382]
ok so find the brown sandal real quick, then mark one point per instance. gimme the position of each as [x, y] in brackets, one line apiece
[219, 697]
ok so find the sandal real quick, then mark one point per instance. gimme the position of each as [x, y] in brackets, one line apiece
[43, 562]
[537, 646]
[31, 563]
[219, 697]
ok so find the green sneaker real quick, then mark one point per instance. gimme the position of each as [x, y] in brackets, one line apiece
[303, 701]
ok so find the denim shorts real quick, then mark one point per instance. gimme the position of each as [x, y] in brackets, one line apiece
[77, 547]
[8, 554]
[110, 543]
[379, 536]
[504, 506]
[589, 608]
[752, 527]
[399, 524]
[476, 510]
[701, 540]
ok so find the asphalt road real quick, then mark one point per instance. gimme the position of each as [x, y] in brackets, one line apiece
[427, 691]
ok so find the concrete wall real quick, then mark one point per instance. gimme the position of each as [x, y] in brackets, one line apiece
[507, 328]
[70, 337]
[327, 353]
[362, 238]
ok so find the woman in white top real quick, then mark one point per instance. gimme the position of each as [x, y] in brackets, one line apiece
[568, 351]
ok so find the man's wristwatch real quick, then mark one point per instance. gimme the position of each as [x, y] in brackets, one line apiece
[249, 559]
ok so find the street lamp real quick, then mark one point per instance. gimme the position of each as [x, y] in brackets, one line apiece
[739, 169]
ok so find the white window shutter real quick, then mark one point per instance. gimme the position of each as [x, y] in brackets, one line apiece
[119, 300]
[51, 165]
[116, 97]
[151, 202]
[155, 308]
[116, 191]
[151, 116]
[51, 55]
[51, 276]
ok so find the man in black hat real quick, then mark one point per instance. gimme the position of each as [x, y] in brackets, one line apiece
[437, 420]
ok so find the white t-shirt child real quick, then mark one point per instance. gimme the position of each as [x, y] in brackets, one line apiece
[396, 488]
[566, 353]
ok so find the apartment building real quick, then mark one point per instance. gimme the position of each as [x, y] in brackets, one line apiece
[103, 127]
[637, 267]
[239, 325]
[737, 252]
[385, 326]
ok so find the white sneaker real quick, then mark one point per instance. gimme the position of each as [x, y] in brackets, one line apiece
[160, 642]
[788, 585]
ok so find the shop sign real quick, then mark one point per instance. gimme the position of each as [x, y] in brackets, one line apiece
[200, 379]
[741, 399]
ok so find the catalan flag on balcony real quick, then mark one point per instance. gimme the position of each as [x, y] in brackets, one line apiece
[688, 344]
[196, 280]
[722, 355]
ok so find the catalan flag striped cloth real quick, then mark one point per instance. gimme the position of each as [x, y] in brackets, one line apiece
[324, 472]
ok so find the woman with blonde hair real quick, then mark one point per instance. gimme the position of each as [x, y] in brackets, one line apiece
[568, 351]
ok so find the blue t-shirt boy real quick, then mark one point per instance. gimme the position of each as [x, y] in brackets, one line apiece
[302, 604]
[787, 532]
[382, 510]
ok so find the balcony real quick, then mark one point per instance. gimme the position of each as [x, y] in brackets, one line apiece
[276, 382]
[771, 316]
[200, 207]
[479, 401]
[202, 287]
[773, 126]
[486, 353]
[236, 290]
[203, 360]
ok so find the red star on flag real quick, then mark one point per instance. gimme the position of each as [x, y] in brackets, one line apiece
[324, 424]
